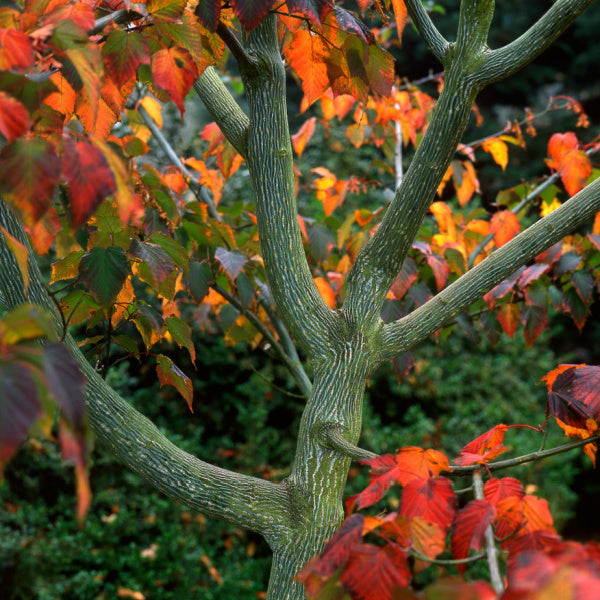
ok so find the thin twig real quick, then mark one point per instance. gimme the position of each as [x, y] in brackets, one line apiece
[258, 325]
[447, 561]
[526, 458]
[195, 186]
[491, 552]
[275, 387]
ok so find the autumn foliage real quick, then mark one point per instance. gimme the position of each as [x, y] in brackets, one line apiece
[143, 251]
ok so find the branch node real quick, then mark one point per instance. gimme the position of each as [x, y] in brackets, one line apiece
[330, 435]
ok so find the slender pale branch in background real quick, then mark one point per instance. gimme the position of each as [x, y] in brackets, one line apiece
[117, 17]
[197, 188]
[491, 552]
[503, 62]
[401, 335]
[226, 112]
[293, 366]
[432, 37]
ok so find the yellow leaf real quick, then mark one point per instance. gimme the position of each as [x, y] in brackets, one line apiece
[548, 208]
[498, 149]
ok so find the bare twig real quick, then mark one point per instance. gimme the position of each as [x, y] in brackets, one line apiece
[491, 552]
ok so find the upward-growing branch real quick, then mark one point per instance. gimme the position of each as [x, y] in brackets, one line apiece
[270, 162]
[505, 61]
[380, 260]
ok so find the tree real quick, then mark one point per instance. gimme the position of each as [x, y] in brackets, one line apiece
[94, 65]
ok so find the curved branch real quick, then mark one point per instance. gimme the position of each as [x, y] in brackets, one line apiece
[226, 112]
[239, 499]
[401, 335]
[330, 435]
[427, 30]
[503, 62]
[270, 161]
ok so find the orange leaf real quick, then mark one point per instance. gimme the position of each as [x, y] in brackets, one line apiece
[508, 315]
[401, 15]
[465, 181]
[484, 448]
[498, 489]
[409, 463]
[326, 291]
[303, 136]
[307, 55]
[174, 70]
[572, 163]
[498, 149]
[505, 226]
[15, 50]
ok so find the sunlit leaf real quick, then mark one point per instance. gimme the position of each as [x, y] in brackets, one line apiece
[123, 53]
[326, 291]
[175, 71]
[15, 50]
[505, 226]
[484, 448]
[572, 163]
[431, 499]
[14, 118]
[468, 528]
[170, 374]
[300, 139]
[498, 149]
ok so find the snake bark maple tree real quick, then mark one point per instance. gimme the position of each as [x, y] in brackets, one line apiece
[346, 345]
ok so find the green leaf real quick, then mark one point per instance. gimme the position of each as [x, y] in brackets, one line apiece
[199, 280]
[245, 289]
[67, 267]
[123, 53]
[182, 334]
[26, 322]
[179, 255]
[170, 374]
[104, 271]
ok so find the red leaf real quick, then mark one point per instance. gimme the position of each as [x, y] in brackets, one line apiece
[574, 393]
[65, 382]
[251, 12]
[14, 118]
[505, 226]
[484, 448]
[174, 70]
[468, 528]
[520, 515]
[409, 463]
[29, 172]
[508, 315]
[572, 163]
[403, 365]
[335, 554]
[440, 268]
[208, 13]
[373, 572]
[431, 499]
[498, 489]
[19, 407]
[123, 53]
[15, 50]
[407, 276]
[313, 10]
[89, 177]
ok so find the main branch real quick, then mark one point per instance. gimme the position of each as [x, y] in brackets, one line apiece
[270, 162]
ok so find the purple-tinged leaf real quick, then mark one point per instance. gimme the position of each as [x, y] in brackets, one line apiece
[158, 261]
[530, 274]
[20, 407]
[403, 365]
[65, 382]
[231, 260]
